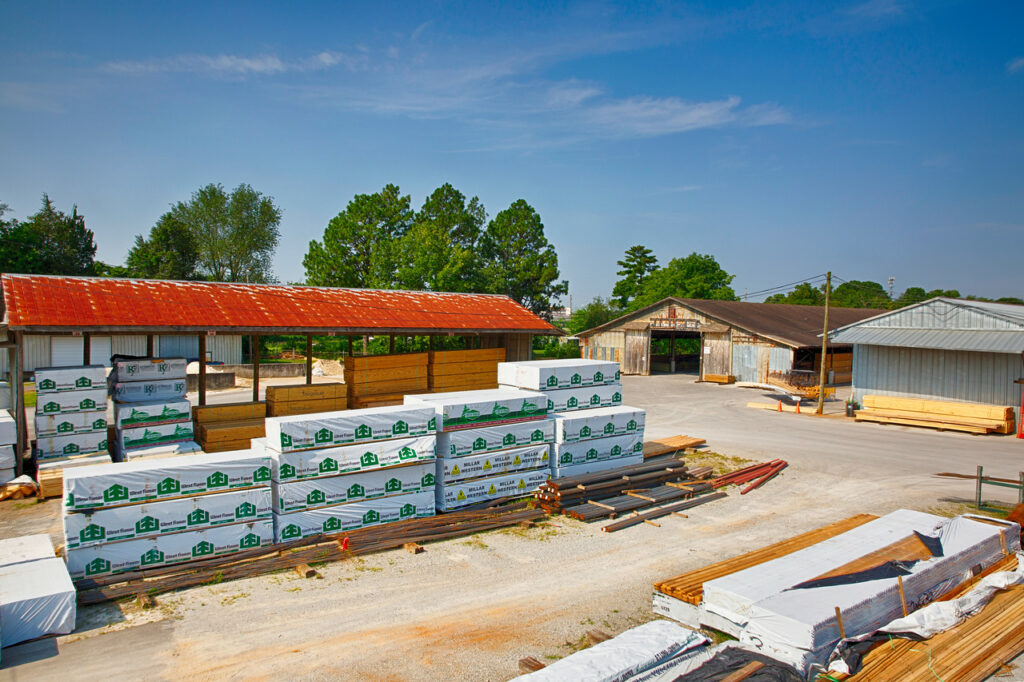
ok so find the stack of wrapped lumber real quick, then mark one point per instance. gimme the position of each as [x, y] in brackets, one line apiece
[283, 401]
[71, 422]
[152, 416]
[229, 427]
[492, 444]
[8, 445]
[155, 512]
[464, 370]
[937, 414]
[573, 384]
[338, 471]
[382, 380]
[36, 594]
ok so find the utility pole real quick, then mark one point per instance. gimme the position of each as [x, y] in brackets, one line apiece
[824, 346]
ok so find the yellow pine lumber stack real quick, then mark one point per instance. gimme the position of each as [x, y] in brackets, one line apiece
[464, 370]
[306, 399]
[937, 414]
[227, 412]
[231, 426]
[380, 375]
[720, 378]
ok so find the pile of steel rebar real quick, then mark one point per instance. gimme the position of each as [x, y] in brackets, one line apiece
[756, 475]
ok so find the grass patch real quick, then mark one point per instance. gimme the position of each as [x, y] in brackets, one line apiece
[475, 543]
[30, 394]
[721, 464]
[716, 636]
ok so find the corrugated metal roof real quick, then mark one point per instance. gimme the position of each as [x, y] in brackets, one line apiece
[51, 303]
[988, 340]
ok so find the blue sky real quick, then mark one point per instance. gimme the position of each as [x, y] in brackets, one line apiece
[876, 139]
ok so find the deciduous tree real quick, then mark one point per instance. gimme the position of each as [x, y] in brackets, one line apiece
[695, 276]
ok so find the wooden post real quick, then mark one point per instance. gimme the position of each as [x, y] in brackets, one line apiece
[824, 347]
[431, 342]
[351, 345]
[149, 345]
[202, 369]
[977, 498]
[391, 344]
[366, 344]
[839, 619]
[17, 379]
[903, 596]
[86, 349]
[309, 358]
[672, 361]
[254, 343]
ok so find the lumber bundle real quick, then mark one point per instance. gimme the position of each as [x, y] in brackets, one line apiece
[232, 426]
[670, 445]
[937, 414]
[840, 364]
[719, 378]
[384, 375]
[464, 370]
[228, 412]
[305, 399]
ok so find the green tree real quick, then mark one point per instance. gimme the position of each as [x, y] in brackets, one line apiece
[946, 293]
[170, 252]
[439, 251]
[638, 263]
[695, 276]
[360, 244]
[802, 294]
[518, 260]
[49, 242]
[593, 314]
[860, 294]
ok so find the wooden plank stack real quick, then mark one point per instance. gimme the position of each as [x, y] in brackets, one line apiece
[381, 380]
[464, 370]
[937, 414]
[305, 399]
[720, 378]
[232, 426]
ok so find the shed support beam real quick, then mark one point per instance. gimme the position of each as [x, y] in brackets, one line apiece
[366, 344]
[202, 369]
[17, 378]
[309, 358]
[86, 348]
[391, 344]
[431, 342]
[150, 345]
[672, 360]
[254, 344]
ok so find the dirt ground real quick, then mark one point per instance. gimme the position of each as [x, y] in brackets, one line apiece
[470, 608]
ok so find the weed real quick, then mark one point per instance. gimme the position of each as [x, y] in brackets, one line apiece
[476, 543]
[721, 464]
[228, 601]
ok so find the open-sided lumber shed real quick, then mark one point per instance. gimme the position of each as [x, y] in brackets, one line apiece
[54, 306]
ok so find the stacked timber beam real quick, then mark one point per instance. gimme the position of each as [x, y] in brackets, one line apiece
[230, 426]
[463, 370]
[383, 380]
[937, 414]
[283, 401]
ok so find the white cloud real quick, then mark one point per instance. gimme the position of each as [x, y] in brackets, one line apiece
[571, 94]
[224, 64]
[649, 116]
[1015, 65]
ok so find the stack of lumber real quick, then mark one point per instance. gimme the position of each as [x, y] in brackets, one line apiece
[305, 399]
[382, 380]
[670, 445]
[464, 370]
[719, 378]
[937, 414]
[841, 365]
[232, 426]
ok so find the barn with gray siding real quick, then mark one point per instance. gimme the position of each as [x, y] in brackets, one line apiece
[942, 349]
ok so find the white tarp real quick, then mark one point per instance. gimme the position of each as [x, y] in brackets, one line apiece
[69, 462]
[158, 518]
[363, 485]
[468, 409]
[26, 548]
[143, 480]
[622, 657]
[343, 517]
[454, 469]
[294, 466]
[466, 493]
[593, 467]
[150, 436]
[36, 599]
[613, 447]
[188, 447]
[72, 401]
[493, 438]
[133, 415]
[149, 369]
[546, 375]
[77, 422]
[149, 391]
[174, 548]
[72, 444]
[8, 428]
[605, 421]
[587, 398]
[324, 429]
[58, 379]
[6, 456]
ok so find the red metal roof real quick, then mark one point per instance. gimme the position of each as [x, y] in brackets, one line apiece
[52, 303]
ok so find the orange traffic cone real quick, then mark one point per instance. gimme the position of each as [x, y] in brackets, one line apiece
[798, 407]
[780, 406]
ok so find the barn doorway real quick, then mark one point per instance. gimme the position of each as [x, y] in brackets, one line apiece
[675, 352]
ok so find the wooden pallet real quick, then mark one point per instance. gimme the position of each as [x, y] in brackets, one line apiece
[719, 378]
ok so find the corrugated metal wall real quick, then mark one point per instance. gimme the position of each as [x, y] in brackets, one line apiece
[937, 374]
[780, 359]
[753, 361]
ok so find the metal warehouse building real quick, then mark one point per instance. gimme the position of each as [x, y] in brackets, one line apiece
[943, 349]
[745, 340]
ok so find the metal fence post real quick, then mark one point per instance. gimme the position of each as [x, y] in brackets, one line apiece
[978, 495]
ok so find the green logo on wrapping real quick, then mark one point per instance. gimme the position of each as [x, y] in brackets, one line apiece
[576, 380]
[585, 432]
[407, 511]
[617, 375]
[153, 556]
[286, 471]
[371, 516]
[428, 480]
[537, 436]
[631, 425]
[245, 510]
[406, 453]
[51, 407]
[328, 464]
[261, 475]
[291, 531]
[551, 405]
[98, 424]
[400, 427]
[97, 566]
[168, 486]
[248, 541]
[65, 427]
[363, 431]
[71, 449]
[198, 517]
[616, 397]
[218, 479]
[332, 525]
[315, 497]
[115, 493]
[616, 450]
[552, 380]
[571, 402]
[566, 458]
[598, 377]
[202, 548]
[509, 439]
[286, 441]
[323, 436]
[356, 490]
[87, 404]
[369, 459]
[609, 428]
[83, 382]
[479, 444]
[47, 385]
[595, 399]
[147, 524]
[638, 447]
[92, 533]
[591, 454]
[432, 424]
[393, 485]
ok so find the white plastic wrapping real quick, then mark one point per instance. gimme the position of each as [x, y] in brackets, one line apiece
[493, 438]
[59, 379]
[25, 548]
[598, 423]
[466, 493]
[469, 409]
[72, 444]
[72, 401]
[346, 427]
[187, 447]
[302, 464]
[455, 469]
[547, 375]
[107, 485]
[158, 518]
[7, 457]
[134, 415]
[173, 548]
[6, 474]
[36, 599]
[613, 447]
[363, 485]
[150, 369]
[76, 422]
[593, 467]
[149, 391]
[151, 436]
[71, 462]
[588, 398]
[8, 428]
[343, 517]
